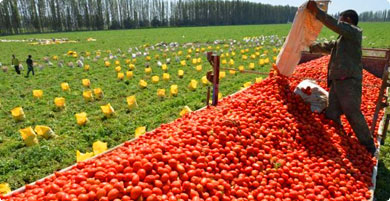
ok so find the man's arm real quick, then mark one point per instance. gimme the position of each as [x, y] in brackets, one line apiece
[322, 47]
[341, 28]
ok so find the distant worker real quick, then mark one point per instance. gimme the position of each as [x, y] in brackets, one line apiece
[15, 63]
[30, 66]
[344, 71]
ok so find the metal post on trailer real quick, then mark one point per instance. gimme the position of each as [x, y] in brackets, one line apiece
[213, 76]
[385, 127]
[382, 99]
[216, 80]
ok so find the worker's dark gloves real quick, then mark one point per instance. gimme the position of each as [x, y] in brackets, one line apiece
[312, 7]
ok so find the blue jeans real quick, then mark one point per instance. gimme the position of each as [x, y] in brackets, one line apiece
[30, 69]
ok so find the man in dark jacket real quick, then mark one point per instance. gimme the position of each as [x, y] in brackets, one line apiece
[30, 66]
[344, 71]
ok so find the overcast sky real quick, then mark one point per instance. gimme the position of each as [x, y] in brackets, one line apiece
[339, 5]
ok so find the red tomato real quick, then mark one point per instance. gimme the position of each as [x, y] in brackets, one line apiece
[141, 173]
[146, 192]
[135, 192]
[112, 194]
[101, 193]
[135, 180]
[83, 197]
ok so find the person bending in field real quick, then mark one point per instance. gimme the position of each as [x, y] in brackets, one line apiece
[30, 66]
[344, 71]
[15, 63]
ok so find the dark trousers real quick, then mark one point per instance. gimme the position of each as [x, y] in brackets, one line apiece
[345, 97]
[17, 69]
[30, 69]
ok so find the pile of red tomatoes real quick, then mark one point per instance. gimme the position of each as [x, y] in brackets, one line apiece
[263, 143]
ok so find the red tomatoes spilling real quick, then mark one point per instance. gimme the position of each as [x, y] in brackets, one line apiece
[262, 143]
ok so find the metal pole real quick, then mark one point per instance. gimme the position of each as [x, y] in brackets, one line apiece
[385, 127]
[216, 80]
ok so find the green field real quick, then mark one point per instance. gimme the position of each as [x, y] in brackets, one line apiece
[20, 164]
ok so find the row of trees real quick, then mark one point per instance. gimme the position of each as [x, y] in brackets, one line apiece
[370, 16]
[22, 16]
[378, 16]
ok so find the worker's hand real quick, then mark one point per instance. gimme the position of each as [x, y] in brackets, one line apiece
[312, 7]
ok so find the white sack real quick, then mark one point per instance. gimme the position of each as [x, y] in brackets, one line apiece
[303, 33]
[318, 98]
